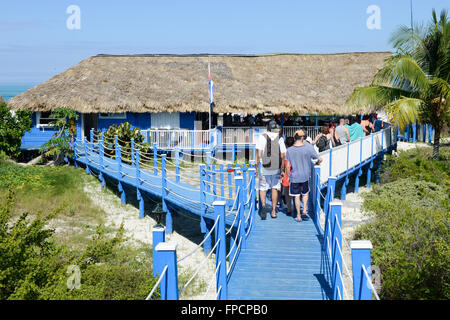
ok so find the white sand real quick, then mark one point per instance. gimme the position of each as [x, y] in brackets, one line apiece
[140, 232]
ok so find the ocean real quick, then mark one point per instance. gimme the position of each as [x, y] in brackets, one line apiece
[8, 91]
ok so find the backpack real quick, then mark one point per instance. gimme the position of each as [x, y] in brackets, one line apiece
[271, 157]
[323, 143]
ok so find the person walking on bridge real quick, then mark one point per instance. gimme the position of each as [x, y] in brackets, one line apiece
[342, 132]
[298, 158]
[271, 151]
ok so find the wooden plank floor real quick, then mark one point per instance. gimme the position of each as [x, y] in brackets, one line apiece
[283, 260]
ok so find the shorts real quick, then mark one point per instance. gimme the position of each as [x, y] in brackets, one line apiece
[271, 181]
[295, 189]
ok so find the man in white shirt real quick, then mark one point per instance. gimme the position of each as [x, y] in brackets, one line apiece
[271, 151]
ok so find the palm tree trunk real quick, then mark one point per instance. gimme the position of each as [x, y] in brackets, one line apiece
[437, 138]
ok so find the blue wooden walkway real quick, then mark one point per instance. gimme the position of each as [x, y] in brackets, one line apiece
[268, 259]
[282, 260]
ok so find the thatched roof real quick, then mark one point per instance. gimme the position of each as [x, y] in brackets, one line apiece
[306, 83]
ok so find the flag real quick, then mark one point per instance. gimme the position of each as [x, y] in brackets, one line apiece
[210, 85]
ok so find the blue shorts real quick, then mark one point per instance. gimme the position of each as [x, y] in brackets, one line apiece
[295, 189]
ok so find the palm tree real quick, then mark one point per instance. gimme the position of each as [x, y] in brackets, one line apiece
[414, 82]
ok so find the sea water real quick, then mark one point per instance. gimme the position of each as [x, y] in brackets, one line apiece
[8, 91]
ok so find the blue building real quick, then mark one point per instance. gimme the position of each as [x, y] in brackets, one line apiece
[41, 131]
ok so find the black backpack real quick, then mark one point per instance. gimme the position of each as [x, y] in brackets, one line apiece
[323, 143]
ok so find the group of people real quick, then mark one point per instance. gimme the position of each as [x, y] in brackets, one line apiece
[332, 136]
[286, 166]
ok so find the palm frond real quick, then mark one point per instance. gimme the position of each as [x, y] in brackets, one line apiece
[374, 97]
[404, 111]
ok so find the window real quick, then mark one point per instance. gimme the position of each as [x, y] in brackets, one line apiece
[43, 119]
[112, 115]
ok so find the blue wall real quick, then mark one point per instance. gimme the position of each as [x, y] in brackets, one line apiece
[138, 120]
[38, 136]
[187, 120]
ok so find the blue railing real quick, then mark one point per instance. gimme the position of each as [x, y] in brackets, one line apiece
[332, 243]
[225, 196]
[218, 205]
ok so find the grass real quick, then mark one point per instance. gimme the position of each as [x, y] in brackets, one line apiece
[42, 189]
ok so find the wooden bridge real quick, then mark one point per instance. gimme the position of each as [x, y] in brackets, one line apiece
[255, 259]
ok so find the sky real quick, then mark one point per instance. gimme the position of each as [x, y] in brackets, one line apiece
[36, 42]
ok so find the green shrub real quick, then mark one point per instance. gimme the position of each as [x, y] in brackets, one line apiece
[12, 129]
[410, 237]
[418, 164]
[34, 266]
[124, 134]
[65, 126]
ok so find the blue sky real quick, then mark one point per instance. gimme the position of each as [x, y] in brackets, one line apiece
[35, 43]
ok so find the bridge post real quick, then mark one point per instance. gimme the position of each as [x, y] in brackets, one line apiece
[87, 156]
[221, 250]
[164, 194]
[336, 250]
[358, 174]
[222, 187]
[252, 202]
[317, 193]
[234, 152]
[230, 184]
[132, 152]
[140, 198]
[369, 171]
[158, 236]
[167, 254]
[407, 138]
[430, 133]
[240, 204]
[203, 225]
[91, 136]
[331, 162]
[244, 185]
[123, 197]
[213, 173]
[155, 159]
[75, 152]
[177, 164]
[327, 205]
[331, 188]
[344, 188]
[101, 151]
[345, 184]
[361, 257]
[424, 132]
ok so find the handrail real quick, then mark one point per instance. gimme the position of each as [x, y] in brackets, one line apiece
[157, 283]
[201, 243]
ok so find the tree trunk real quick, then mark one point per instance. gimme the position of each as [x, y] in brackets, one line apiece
[437, 138]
